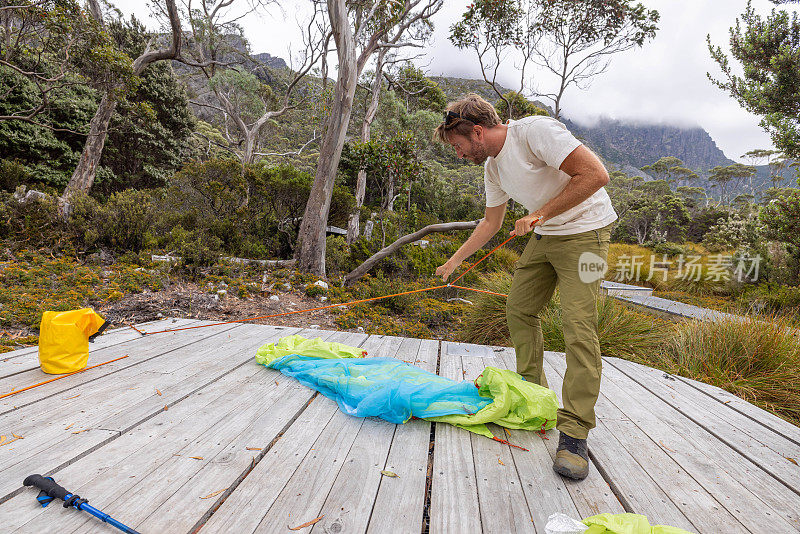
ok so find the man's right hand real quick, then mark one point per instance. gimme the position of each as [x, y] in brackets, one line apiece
[445, 270]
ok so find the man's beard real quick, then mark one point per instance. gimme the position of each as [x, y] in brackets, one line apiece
[479, 153]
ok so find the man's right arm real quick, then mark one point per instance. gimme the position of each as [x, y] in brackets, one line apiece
[490, 224]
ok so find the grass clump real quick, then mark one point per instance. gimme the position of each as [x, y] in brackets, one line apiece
[622, 332]
[753, 358]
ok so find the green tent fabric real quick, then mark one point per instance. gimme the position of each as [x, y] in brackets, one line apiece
[626, 524]
[306, 347]
[394, 390]
[517, 404]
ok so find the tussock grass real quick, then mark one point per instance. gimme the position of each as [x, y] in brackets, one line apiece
[485, 323]
[757, 359]
[622, 332]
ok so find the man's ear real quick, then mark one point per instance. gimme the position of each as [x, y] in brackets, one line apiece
[478, 131]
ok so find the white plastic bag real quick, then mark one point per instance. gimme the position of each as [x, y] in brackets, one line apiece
[563, 524]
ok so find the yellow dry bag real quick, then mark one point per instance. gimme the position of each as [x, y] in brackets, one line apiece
[64, 339]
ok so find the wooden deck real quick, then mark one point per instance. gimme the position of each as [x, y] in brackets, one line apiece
[189, 433]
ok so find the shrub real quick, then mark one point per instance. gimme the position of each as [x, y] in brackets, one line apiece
[314, 291]
[485, 323]
[120, 224]
[772, 298]
[669, 249]
[12, 174]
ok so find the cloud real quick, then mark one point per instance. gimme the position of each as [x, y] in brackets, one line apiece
[664, 82]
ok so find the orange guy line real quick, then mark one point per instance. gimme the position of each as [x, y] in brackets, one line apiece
[60, 377]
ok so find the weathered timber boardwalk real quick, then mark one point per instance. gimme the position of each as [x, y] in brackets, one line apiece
[189, 434]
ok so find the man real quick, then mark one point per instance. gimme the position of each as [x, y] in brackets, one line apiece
[537, 162]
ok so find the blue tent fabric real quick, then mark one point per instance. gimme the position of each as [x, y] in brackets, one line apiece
[383, 387]
[396, 391]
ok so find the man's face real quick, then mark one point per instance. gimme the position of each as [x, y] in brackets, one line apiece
[470, 148]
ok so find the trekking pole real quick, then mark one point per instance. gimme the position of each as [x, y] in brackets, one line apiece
[50, 490]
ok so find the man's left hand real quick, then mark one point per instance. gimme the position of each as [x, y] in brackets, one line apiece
[526, 224]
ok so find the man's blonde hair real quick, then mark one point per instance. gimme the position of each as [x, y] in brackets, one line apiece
[473, 109]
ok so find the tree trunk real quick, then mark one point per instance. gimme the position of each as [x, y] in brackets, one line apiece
[311, 246]
[388, 202]
[353, 223]
[83, 177]
[362, 269]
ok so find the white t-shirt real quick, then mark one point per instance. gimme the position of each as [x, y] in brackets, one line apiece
[527, 170]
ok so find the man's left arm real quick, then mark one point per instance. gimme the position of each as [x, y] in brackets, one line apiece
[588, 176]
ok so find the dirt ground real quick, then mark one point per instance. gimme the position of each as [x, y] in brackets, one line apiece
[189, 300]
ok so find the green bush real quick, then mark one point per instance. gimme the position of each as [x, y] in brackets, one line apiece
[314, 291]
[120, 224]
[669, 249]
[772, 298]
[12, 174]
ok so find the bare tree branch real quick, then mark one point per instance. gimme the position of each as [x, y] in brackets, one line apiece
[362, 269]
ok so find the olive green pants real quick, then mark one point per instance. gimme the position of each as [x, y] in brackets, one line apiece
[546, 261]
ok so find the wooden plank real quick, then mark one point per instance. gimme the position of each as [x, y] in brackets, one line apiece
[504, 506]
[321, 427]
[633, 485]
[91, 402]
[107, 338]
[52, 445]
[758, 415]
[138, 350]
[454, 487]
[737, 495]
[769, 450]
[348, 506]
[400, 502]
[546, 491]
[315, 481]
[121, 467]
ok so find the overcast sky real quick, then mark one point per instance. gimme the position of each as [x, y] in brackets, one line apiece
[663, 82]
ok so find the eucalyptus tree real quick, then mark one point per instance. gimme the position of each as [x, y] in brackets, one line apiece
[360, 29]
[245, 103]
[572, 40]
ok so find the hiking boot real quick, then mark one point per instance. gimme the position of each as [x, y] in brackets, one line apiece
[572, 457]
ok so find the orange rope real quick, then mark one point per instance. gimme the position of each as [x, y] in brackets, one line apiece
[480, 290]
[298, 311]
[347, 303]
[132, 326]
[483, 258]
[60, 377]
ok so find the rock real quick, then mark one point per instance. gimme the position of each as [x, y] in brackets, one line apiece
[223, 285]
[23, 197]
[314, 326]
[107, 274]
[323, 299]
[222, 293]
[93, 258]
[360, 329]
[274, 298]
[159, 316]
[106, 256]
[320, 283]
